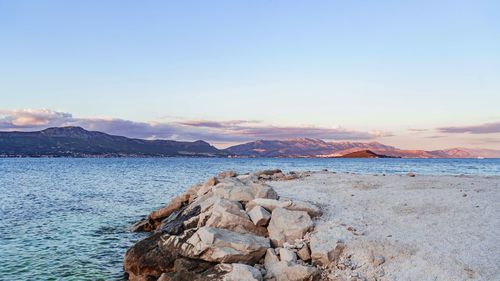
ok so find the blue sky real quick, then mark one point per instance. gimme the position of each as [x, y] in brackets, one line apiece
[399, 72]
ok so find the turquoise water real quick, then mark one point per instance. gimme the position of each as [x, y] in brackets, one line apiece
[68, 219]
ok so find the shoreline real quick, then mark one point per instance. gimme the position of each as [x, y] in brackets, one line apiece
[371, 227]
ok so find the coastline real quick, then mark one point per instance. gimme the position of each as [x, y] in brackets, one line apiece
[372, 227]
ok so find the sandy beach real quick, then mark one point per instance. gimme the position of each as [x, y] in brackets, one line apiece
[424, 227]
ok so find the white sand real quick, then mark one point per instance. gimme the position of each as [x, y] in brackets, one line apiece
[425, 227]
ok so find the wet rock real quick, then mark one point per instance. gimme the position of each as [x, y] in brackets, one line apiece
[147, 259]
[243, 272]
[412, 175]
[259, 216]
[221, 245]
[286, 226]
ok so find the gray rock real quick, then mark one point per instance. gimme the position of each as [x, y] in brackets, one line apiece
[286, 226]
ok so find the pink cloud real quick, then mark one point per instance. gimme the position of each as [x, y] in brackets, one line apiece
[488, 128]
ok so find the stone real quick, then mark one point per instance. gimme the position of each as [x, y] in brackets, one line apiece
[412, 175]
[286, 226]
[233, 191]
[311, 209]
[221, 245]
[271, 204]
[287, 255]
[304, 253]
[174, 224]
[230, 215]
[323, 253]
[227, 174]
[260, 190]
[175, 204]
[259, 216]
[378, 260]
[263, 173]
[147, 259]
[243, 272]
[268, 204]
[192, 270]
[288, 271]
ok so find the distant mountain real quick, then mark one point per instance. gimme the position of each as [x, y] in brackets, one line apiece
[78, 142]
[305, 147]
[364, 154]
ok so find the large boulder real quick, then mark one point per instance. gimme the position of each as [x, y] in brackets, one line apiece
[286, 226]
[242, 272]
[233, 190]
[147, 259]
[230, 215]
[221, 245]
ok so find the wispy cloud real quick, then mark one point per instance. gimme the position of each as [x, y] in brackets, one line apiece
[488, 128]
[209, 130]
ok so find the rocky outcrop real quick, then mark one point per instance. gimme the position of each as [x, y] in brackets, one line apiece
[226, 229]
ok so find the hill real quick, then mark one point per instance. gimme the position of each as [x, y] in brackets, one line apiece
[78, 142]
[364, 154]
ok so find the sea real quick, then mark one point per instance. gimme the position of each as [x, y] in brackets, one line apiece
[69, 218]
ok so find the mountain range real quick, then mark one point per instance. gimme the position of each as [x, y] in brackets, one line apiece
[78, 142]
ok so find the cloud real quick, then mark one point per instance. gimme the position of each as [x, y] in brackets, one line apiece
[208, 130]
[32, 118]
[488, 128]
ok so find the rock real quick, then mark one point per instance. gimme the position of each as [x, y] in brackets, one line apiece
[259, 216]
[287, 255]
[164, 212]
[221, 245]
[207, 187]
[174, 224]
[227, 174]
[267, 172]
[378, 260]
[243, 272]
[143, 225]
[289, 271]
[233, 191]
[271, 204]
[323, 253]
[412, 175]
[286, 226]
[263, 191]
[311, 209]
[230, 215]
[192, 270]
[147, 259]
[268, 204]
[304, 253]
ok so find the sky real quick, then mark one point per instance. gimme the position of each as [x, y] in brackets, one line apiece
[414, 74]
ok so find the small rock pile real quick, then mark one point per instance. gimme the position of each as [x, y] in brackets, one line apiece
[232, 227]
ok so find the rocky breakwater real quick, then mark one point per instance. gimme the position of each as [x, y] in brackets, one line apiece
[232, 227]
